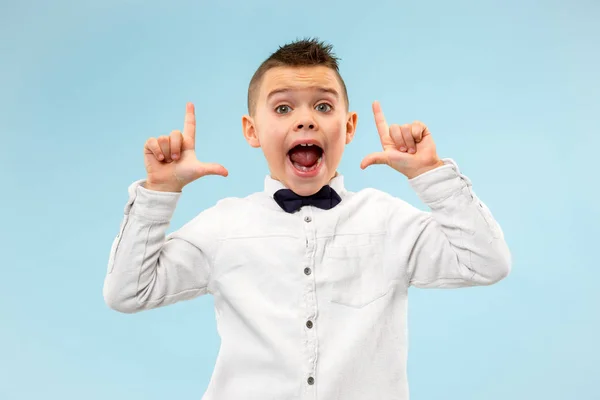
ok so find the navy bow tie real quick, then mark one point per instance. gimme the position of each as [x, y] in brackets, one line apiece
[289, 201]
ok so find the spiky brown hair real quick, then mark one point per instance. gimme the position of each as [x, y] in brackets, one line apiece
[300, 53]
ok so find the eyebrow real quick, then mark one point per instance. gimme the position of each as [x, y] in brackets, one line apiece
[318, 88]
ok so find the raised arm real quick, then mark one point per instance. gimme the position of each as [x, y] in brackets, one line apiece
[147, 268]
[458, 243]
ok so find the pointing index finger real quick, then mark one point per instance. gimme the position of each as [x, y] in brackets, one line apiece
[189, 126]
[382, 126]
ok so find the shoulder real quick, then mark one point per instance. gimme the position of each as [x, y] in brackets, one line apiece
[229, 214]
[235, 206]
[227, 207]
[377, 198]
[394, 211]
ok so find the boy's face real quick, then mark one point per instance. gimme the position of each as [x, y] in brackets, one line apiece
[302, 126]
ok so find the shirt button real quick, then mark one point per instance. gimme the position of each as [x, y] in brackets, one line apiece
[307, 219]
[307, 271]
[311, 380]
[309, 324]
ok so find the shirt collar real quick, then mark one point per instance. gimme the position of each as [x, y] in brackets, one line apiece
[273, 185]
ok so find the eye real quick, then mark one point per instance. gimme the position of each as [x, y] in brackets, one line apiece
[323, 107]
[283, 109]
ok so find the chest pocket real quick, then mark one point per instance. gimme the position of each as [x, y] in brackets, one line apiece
[357, 274]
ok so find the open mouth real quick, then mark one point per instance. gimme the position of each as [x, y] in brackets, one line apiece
[306, 157]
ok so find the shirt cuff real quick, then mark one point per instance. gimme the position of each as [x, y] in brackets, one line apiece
[439, 183]
[151, 204]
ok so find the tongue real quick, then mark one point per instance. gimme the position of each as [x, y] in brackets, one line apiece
[305, 155]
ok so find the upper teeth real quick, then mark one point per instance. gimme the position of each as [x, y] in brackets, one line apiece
[306, 144]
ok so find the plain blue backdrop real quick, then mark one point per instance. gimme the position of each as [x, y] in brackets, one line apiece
[509, 90]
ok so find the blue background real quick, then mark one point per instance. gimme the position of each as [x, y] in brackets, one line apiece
[510, 90]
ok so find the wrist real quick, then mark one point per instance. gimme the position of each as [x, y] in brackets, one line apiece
[428, 168]
[161, 187]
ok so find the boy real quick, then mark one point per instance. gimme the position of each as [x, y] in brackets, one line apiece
[309, 280]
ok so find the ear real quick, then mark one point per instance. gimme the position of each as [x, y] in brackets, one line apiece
[351, 126]
[249, 130]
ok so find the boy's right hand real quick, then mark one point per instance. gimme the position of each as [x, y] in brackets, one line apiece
[171, 161]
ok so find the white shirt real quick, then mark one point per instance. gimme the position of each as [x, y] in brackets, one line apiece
[312, 304]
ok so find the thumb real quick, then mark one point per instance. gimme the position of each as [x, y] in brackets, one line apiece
[375, 158]
[203, 169]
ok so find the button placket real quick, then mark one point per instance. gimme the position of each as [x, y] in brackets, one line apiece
[310, 297]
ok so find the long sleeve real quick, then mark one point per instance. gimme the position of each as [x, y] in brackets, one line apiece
[148, 269]
[458, 243]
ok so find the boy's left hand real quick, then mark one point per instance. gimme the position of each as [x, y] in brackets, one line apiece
[409, 148]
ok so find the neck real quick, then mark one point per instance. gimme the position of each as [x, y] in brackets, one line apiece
[279, 180]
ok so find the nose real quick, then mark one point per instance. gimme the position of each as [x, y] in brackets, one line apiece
[306, 121]
[310, 126]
